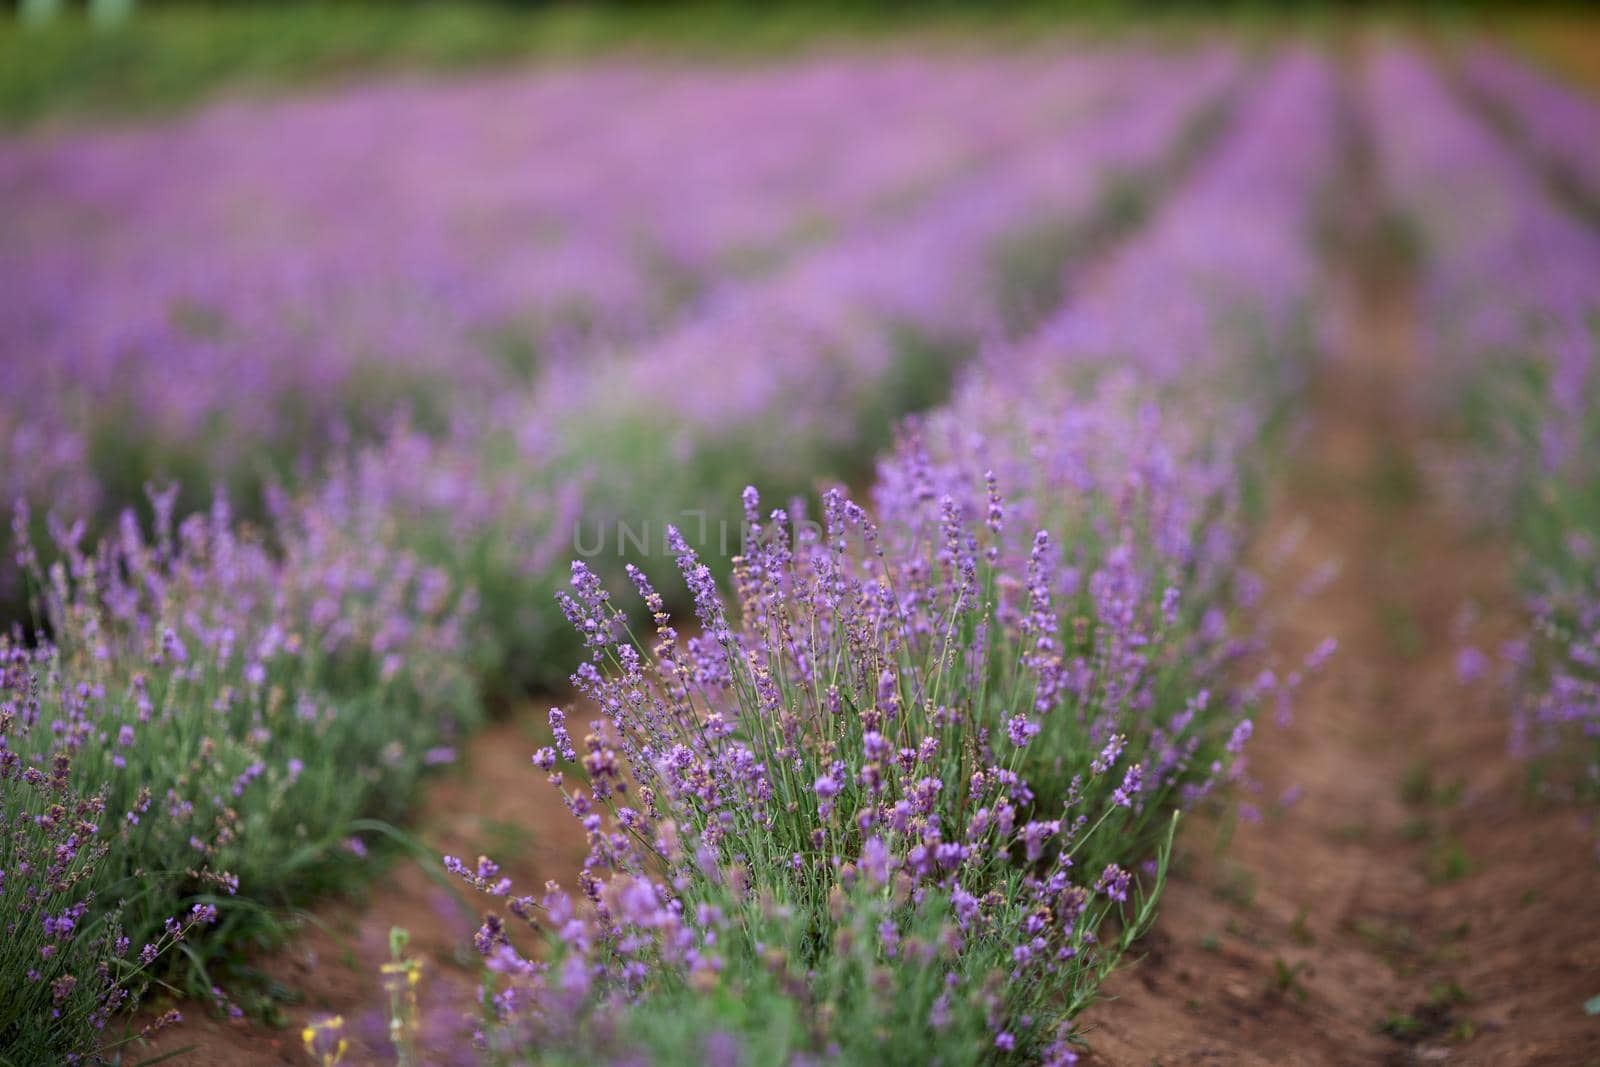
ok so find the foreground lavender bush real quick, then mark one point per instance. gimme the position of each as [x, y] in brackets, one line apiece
[230, 713]
[817, 794]
[905, 789]
[67, 963]
[1510, 315]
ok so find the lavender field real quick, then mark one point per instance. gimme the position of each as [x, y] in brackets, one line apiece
[1077, 552]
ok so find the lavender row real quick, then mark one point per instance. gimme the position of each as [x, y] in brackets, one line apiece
[535, 222]
[1559, 123]
[1509, 313]
[899, 783]
[1508, 270]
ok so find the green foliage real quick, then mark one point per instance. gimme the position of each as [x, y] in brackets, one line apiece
[1401, 1026]
[1286, 978]
[799, 979]
[169, 55]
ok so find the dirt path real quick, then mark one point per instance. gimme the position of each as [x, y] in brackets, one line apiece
[1400, 900]
[493, 802]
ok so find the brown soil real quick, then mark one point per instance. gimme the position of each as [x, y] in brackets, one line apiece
[495, 802]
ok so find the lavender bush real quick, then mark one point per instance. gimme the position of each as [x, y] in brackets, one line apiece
[231, 711]
[69, 965]
[812, 789]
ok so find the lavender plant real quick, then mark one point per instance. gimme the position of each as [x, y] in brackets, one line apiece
[820, 787]
[235, 710]
[67, 963]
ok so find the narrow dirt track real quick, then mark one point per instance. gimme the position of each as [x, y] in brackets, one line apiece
[1400, 900]
[493, 802]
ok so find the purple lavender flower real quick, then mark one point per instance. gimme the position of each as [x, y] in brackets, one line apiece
[1021, 731]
